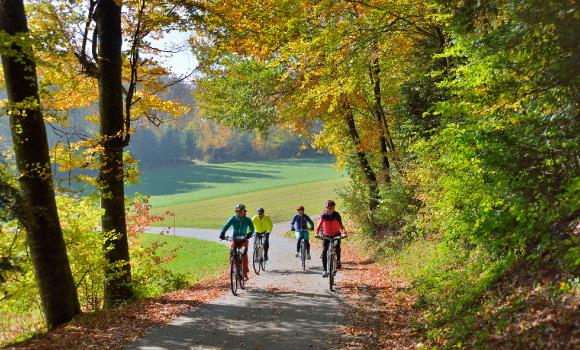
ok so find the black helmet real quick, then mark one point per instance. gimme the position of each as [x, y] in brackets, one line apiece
[329, 203]
[240, 207]
[260, 211]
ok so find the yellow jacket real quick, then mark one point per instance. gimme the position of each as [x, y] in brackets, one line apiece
[262, 225]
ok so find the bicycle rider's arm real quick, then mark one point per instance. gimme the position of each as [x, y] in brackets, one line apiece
[292, 223]
[255, 220]
[309, 220]
[342, 231]
[270, 225]
[251, 226]
[318, 227]
[226, 226]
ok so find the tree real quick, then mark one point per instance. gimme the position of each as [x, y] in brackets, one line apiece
[145, 147]
[111, 175]
[171, 144]
[38, 211]
[190, 144]
[294, 64]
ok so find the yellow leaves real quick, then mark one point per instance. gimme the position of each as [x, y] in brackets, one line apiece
[212, 135]
[92, 118]
[79, 155]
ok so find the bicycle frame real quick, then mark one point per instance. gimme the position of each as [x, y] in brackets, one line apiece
[303, 253]
[258, 261]
[331, 259]
[236, 274]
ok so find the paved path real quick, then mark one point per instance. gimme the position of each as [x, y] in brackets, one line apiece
[282, 308]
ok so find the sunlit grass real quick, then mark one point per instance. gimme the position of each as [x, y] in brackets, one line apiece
[184, 185]
[279, 203]
[198, 259]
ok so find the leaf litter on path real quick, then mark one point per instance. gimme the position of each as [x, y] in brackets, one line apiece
[113, 329]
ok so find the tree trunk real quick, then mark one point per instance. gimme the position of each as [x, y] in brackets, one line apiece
[368, 172]
[118, 275]
[386, 141]
[56, 285]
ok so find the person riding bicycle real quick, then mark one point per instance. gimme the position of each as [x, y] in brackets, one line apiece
[240, 224]
[263, 225]
[299, 225]
[331, 225]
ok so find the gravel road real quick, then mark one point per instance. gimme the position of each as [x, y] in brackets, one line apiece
[284, 307]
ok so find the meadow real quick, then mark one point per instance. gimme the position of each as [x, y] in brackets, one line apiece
[196, 258]
[203, 196]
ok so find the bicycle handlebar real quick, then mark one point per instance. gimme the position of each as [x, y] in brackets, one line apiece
[341, 236]
[228, 238]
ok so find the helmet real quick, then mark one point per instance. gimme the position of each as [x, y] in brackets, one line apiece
[240, 207]
[300, 207]
[329, 203]
[260, 211]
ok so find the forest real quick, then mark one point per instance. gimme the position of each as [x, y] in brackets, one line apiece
[458, 123]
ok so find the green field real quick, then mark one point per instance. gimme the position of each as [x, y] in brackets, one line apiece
[199, 259]
[180, 185]
[204, 196]
[279, 203]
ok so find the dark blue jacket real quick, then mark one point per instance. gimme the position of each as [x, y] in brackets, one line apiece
[300, 223]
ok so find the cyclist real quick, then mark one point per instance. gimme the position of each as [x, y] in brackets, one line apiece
[263, 226]
[299, 225]
[331, 225]
[240, 224]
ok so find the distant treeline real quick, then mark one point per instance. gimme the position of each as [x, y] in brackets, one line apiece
[172, 145]
[179, 141]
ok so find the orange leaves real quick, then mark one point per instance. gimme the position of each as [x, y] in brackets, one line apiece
[139, 217]
[380, 310]
[114, 329]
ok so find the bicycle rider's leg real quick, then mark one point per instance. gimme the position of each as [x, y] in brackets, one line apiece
[325, 247]
[266, 245]
[306, 236]
[245, 266]
[298, 238]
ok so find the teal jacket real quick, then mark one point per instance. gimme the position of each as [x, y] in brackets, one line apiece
[240, 226]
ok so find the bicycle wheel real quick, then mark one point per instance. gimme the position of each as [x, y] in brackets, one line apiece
[331, 268]
[241, 273]
[233, 275]
[303, 254]
[262, 259]
[256, 259]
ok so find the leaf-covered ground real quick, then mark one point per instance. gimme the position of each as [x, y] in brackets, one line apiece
[115, 328]
[379, 309]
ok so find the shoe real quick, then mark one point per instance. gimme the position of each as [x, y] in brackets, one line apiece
[246, 278]
[265, 258]
[308, 256]
[338, 265]
[297, 254]
[324, 274]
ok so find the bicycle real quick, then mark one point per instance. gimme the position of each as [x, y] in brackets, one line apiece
[302, 247]
[258, 257]
[236, 273]
[331, 259]
[303, 253]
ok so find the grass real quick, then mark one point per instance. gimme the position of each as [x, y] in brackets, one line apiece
[194, 257]
[184, 185]
[279, 203]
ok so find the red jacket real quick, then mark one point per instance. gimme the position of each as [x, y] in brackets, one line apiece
[331, 224]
